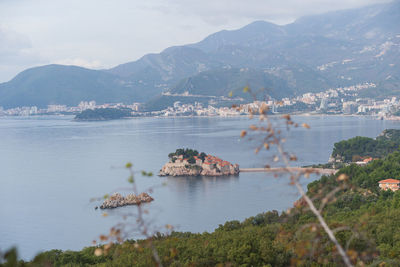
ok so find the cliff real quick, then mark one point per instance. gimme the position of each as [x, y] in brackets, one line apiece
[206, 166]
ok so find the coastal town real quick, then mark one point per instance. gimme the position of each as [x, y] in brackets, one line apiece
[334, 101]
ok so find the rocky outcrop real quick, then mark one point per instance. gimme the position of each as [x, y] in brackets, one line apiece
[174, 169]
[210, 166]
[117, 200]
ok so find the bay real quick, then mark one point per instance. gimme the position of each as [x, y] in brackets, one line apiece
[50, 168]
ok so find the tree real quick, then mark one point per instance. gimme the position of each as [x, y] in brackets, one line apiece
[191, 160]
[203, 156]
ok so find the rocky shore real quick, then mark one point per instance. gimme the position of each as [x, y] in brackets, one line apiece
[207, 166]
[117, 200]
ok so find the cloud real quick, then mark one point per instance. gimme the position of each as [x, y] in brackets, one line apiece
[16, 53]
[12, 44]
[279, 11]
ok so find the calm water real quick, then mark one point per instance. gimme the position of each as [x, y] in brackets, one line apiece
[50, 167]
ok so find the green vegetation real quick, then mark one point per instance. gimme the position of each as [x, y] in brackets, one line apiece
[187, 154]
[102, 114]
[360, 147]
[221, 81]
[191, 160]
[202, 156]
[367, 220]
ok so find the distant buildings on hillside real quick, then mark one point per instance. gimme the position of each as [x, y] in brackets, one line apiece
[342, 100]
[62, 109]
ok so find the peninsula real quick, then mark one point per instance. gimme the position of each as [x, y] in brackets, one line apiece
[103, 114]
[188, 162]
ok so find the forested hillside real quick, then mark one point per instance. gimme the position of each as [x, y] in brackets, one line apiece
[359, 147]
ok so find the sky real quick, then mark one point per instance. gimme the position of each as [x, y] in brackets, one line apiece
[101, 34]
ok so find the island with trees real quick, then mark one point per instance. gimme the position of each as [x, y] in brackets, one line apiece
[189, 162]
[102, 114]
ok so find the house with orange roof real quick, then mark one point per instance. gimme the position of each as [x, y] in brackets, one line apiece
[368, 160]
[198, 160]
[389, 184]
[207, 165]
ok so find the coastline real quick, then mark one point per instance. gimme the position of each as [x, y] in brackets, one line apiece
[71, 117]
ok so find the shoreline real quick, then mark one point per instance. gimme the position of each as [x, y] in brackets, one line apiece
[392, 118]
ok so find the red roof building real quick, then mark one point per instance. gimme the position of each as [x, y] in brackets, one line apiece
[367, 160]
[390, 184]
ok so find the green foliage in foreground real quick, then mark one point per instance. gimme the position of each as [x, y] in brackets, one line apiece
[358, 147]
[367, 222]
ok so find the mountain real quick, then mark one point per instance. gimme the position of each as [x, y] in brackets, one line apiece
[367, 43]
[221, 82]
[312, 54]
[156, 72]
[373, 23]
[259, 34]
[57, 84]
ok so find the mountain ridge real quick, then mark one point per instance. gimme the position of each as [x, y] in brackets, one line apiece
[313, 53]
[77, 84]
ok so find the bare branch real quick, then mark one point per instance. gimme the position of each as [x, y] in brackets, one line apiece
[328, 196]
[274, 138]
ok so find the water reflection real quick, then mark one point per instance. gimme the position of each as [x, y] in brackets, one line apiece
[197, 188]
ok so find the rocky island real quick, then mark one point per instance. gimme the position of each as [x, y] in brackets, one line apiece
[188, 162]
[117, 200]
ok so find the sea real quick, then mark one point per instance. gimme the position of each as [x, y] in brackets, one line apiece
[54, 172]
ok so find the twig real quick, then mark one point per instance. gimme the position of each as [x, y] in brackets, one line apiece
[314, 210]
